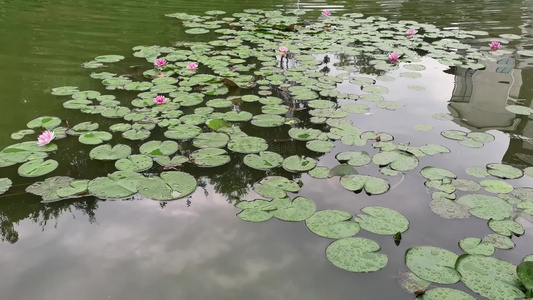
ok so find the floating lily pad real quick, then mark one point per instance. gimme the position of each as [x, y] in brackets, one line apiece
[275, 187]
[333, 224]
[499, 241]
[433, 264]
[486, 207]
[106, 152]
[210, 157]
[5, 184]
[481, 272]
[434, 173]
[168, 186]
[95, 137]
[525, 273]
[382, 220]
[48, 189]
[297, 163]
[247, 144]
[183, 132]
[341, 170]
[44, 122]
[211, 140]
[356, 255]
[37, 167]
[157, 148]
[120, 184]
[319, 172]
[135, 163]
[477, 172]
[371, 185]
[397, 160]
[320, 146]
[256, 211]
[296, 210]
[264, 161]
[504, 171]
[354, 158]
[466, 185]
[304, 134]
[496, 186]
[473, 245]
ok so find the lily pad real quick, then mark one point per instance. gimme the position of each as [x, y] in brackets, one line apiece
[319, 172]
[263, 161]
[247, 144]
[499, 241]
[496, 186]
[433, 264]
[371, 185]
[445, 294]
[354, 158]
[120, 184]
[158, 148]
[490, 277]
[94, 137]
[37, 167]
[135, 163]
[382, 220]
[504, 171]
[44, 122]
[210, 157]
[256, 211]
[297, 163]
[333, 224]
[356, 255]
[211, 140]
[397, 160]
[296, 210]
[486, 207]
[525, 273]
[106, 152]
[5, 184]
[472, 245]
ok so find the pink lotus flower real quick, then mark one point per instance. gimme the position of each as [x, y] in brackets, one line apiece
[160, 62]
[283, 49]
[45, 138]
[192, 66]
[326, 13]
[394, 57]
[411, 32]
[494, 45]
[159, 99]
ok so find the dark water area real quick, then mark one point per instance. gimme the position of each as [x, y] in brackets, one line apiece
[196, 248]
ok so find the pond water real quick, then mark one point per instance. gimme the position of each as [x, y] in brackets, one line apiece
[196, 247]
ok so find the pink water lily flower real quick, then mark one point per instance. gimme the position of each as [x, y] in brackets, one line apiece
[192, 66]
[326, 13]
[45, 138]
[494, 45]
[411, 31]
[160, 62]
[159, 99]
[283, 49]
[394, 57]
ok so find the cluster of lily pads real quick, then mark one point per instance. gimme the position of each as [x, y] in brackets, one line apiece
[262, 69]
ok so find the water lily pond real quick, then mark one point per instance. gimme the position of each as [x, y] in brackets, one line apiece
[279, 151]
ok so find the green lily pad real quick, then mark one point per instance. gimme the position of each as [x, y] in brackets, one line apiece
[320, 146]
[183, 132]
[356, 255]
[354, 158]
[21, 134]
[525, 273]
[304, 134]
[264, 161]
[371, 185]
[134, 163]
[120, 184]
[504, 171]
[333, 224]
[211, 140]
[434, 173]
[275, 187]
[499, 241]
[382, 220]
[247, 144]
[477, 172]
[296, 210]
[472, 245]
[106, 152]
[423, 127]
[210, 157]
[94, 137]
[433, 264]
[486, 207]
[466, 185]
[297, 163]
[64, 90]
[158, 148]
[37, 167]
[490, 277]
[48, 188]
[341, 170]
[169, 186]
[256, 211]
[496, 186]
[44, 122]
[506, 227]
[5, 184]
[397, 160]
[319, 172]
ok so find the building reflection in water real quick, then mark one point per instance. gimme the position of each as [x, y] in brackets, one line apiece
[478, 102]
